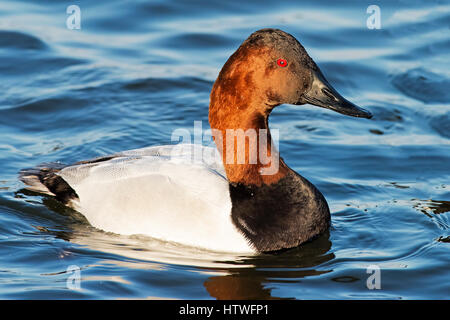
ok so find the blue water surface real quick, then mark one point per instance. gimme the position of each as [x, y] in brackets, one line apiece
[138, 70]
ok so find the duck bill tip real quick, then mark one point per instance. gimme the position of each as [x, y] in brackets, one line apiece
[347, 108]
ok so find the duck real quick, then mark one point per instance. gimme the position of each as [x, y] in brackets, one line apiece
[227, 201]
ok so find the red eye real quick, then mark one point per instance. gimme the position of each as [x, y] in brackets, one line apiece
[282, 63]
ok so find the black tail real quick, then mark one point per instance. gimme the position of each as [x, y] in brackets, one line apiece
[44, 179]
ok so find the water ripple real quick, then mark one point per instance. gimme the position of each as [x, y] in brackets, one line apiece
[20, 40]
[423, 85]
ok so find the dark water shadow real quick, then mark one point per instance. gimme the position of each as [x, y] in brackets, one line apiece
[64, 223]
[254, 281]
[435, 206]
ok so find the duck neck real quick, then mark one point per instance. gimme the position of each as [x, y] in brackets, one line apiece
[243, 138]
[272, 206]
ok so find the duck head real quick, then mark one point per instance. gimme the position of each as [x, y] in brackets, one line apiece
[270, 68]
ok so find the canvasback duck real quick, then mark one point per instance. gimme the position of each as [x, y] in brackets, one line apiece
[227, 204]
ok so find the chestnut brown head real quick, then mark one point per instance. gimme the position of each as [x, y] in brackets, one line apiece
[270, 68]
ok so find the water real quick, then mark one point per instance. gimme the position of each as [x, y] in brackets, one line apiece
[138, 70]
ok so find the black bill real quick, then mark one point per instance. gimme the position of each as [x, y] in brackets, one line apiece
[322, 94]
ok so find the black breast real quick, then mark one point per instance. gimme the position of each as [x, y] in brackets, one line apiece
[279, 216]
